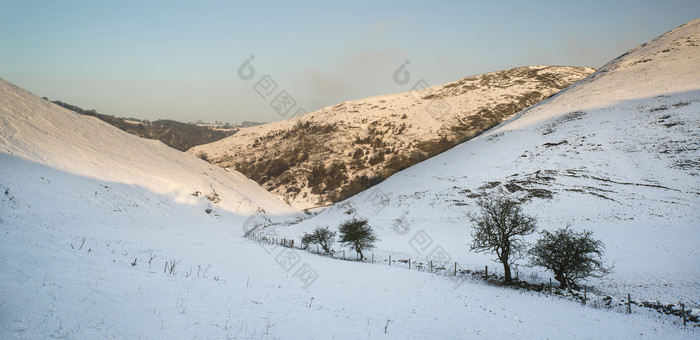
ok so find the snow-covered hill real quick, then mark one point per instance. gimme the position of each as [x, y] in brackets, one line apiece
[338, 151]
[43, 145]
[617, 153]
[101, 238]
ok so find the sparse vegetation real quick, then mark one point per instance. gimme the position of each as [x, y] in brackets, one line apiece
[170, 267]
[357, 235]
[376, 159]
[181, 136]
[323, 180]
[324, 237]
[499, 229]
[203, 156]
[358, 153]
[357, 185]
[359, 149]
[570, 255]
[214, 197]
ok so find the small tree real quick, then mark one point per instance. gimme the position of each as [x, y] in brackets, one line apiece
[357, 235]
[500, 228]
[570, 255]
[321, 236]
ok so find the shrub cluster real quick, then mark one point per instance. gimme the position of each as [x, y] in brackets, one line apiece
[500, 229]
[355, 234]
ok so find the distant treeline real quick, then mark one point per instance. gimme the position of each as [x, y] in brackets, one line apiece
[178, 135]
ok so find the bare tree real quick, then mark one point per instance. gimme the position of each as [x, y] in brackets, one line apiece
[570, 255]
[357, 235]
[500, 228]
[321, 236]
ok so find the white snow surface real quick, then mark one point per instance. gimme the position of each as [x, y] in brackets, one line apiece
[36, 133]
[619, 151]
[84, 207]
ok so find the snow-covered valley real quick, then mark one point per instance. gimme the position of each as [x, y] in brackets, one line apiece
[617, 153]
[106, 235]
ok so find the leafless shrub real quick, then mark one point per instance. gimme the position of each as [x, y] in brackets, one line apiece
[203, 156]
[151, 257]
[500, 228]
[170, 267]
[570, 255]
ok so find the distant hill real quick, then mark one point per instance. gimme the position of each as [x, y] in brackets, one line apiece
[178, 135]
[246, 123]
[333, 153]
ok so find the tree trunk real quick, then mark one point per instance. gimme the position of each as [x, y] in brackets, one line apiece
[359, 251]
[506, 270]
[562, 280]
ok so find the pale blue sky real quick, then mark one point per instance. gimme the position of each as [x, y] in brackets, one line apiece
[180, 59]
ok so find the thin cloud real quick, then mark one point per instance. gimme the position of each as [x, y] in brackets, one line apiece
[355, 76]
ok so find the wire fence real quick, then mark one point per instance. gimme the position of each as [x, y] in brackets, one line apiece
[458, 274]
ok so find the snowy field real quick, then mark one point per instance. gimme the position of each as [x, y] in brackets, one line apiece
[53, 287]
[105, 235]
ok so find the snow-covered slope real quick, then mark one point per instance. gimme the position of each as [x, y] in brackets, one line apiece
[617, 153]
[101, 238]
[40, 141]
[338, 151]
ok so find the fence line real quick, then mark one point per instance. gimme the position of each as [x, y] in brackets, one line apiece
[483, 275]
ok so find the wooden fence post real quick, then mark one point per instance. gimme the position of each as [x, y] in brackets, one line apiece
[372, 257]
[343, 254]
[409, 263]
[455, 268]
[550, 286]
[486, 273]
[390, 260]
[431, 266]
[629, 304]
[682, 311]
[584, 295]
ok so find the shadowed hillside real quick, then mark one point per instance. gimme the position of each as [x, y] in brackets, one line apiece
[181, 136]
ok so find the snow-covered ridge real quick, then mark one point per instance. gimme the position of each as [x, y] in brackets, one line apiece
[617, 153]
[663, 66]
[36, 131]
[340, 150]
